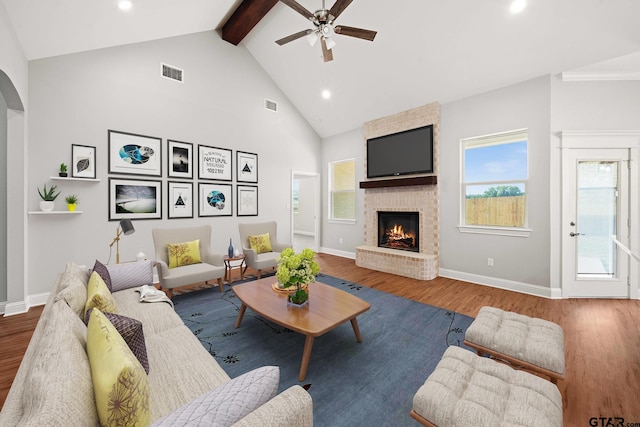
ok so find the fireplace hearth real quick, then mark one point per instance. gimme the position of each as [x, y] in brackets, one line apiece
[399, 230]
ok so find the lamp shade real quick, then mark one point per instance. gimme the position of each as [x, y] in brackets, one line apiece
[127, 227]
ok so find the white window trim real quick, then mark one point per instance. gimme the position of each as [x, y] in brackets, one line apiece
[485, 140]
[330, 218]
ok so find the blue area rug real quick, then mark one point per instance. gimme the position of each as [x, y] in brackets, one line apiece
[366, 384]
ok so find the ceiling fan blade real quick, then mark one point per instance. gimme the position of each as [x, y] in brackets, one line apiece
[355, 32]
[293, 37]
[293, 4]
[339, 7]
[327, 54]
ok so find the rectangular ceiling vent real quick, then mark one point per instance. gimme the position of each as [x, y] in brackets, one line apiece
[172, 73]
[271, 105]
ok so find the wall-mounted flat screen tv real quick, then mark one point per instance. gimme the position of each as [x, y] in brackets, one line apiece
[403, 153]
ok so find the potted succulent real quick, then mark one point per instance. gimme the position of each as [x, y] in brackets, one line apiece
[296, 271]
[63, 170]
[72, 202]
[48, 197]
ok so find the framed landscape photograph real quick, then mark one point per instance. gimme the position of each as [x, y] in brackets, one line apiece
[133, 154]
[214, 163]
[83, 161]
[180, 197]
[180, 159]
[134, 199]
[247, 198]
[247, 166]
[215, 199]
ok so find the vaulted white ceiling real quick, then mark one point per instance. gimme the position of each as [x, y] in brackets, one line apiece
[425, 51]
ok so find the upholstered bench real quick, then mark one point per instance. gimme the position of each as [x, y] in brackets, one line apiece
[534, 344]
[469, 390]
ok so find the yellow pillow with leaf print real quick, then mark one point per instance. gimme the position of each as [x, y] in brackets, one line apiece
[98, 296]
[185, 253]
[120, 383]
[260, 243]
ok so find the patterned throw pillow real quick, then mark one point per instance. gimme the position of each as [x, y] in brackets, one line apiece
[227, 404]
[131, 332]
[103, 271]
[119, 382]
[131, 275]
[260, 243]
[185, 253]
[99, 296]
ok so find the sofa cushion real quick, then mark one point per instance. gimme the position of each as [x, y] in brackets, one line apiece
[119, 382]
[98, 296]
[228, 403]
[103, 271]
[131, 275]
[185, 253]
[74, 294]
[155, 317]
[260, 243]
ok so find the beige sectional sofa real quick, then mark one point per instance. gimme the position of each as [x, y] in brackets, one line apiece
[53, 385]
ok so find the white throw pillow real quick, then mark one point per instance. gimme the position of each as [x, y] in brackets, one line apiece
[225, 405]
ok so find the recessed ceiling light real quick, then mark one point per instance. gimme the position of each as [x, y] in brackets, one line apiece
[125, 5]
[326, 94]
[518, 6]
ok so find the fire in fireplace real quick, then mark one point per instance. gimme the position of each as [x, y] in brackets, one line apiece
[399, 230]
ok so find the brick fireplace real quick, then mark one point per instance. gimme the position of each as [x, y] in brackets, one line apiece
[415, 194]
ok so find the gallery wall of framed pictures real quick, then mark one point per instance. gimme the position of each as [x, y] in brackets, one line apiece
[199, 178]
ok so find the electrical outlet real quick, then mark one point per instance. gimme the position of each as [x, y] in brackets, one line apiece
[341, 240]
[490, 262]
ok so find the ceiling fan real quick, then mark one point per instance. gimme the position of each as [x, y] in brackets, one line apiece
[323, 20]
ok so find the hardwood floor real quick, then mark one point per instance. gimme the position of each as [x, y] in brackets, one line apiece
[602, 338]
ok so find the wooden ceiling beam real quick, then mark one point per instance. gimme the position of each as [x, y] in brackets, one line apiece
[245, 17]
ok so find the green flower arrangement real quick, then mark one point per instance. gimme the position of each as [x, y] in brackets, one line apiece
[296, 270]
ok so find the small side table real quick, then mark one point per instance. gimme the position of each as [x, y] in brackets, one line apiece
[228, 267]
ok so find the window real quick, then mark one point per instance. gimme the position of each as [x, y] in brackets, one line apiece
[342, 190]
[494, 182]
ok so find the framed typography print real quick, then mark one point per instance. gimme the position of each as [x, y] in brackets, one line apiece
[180, 159]
[180, 199]
[134, 199]
[247, 198]
[133, 154]
[214, 199]
[83, 161]
[214, 163]
[247, 167]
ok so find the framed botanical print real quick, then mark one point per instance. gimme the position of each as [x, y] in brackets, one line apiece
[83, 161]
[133, 154]
[180, 199]
[214, 199]
[134, 199]
[180, 155]
[214, 163]
[247, 198]
[247, 167]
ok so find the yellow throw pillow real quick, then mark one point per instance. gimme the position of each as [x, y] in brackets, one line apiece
[185, 253]
[260, 243]
[119, 382]
[99, 296]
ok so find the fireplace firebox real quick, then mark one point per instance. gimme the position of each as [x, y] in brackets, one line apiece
[399, 230]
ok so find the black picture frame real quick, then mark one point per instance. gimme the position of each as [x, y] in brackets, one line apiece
[246, 167]
[215, 199]
[179, 159]
[134, 199]
[215, 163]
[133, 154]
[247, 200]
[83, 161]
[179, 200]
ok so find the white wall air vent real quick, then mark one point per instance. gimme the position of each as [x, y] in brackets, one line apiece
[172, 73]
[271, 105]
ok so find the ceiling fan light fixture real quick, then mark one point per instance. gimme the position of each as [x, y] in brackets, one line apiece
[330, 42]
[312, 38]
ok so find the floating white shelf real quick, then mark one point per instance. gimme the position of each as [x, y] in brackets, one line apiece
[60, 178]
[53, 212]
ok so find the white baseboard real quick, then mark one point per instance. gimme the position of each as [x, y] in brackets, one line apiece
[509, 285]
[21, 307]
[38, 299]
[343, 254]
[13, 308]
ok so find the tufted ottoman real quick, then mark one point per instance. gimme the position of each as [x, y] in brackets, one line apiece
[468, 390]
[533, 344]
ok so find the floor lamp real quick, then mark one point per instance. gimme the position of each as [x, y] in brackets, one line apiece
[125, 227]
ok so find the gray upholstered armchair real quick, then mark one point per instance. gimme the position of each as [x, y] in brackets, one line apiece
[211, 267]
[263, 260]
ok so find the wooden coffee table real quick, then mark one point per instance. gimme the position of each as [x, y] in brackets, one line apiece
[328, 307]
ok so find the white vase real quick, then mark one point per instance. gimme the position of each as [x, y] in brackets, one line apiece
[46, 206]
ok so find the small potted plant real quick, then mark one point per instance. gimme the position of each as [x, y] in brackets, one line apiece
[72, 202]
[63, 170]
[297, 270]
[48, 198]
